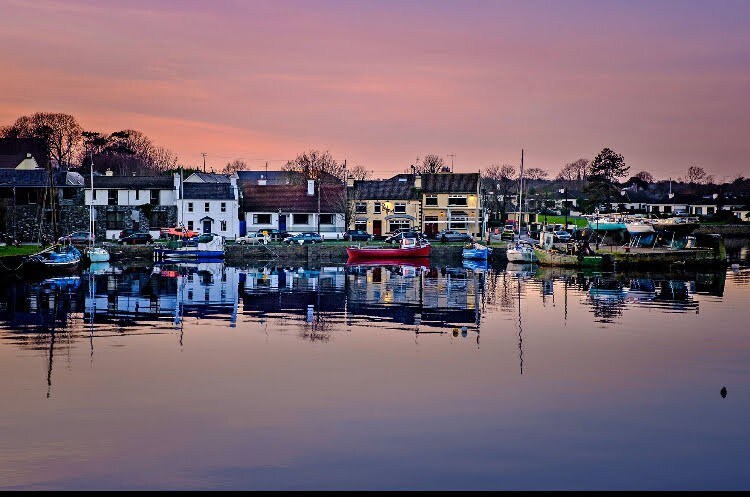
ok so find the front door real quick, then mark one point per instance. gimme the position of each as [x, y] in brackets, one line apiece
[282, 222]
[377, 228]
[207, 226]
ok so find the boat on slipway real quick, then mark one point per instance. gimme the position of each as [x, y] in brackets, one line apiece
[205, 246]
[410, 248]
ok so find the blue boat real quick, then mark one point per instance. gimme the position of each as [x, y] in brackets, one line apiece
[602, 224]
[202, 247]
[476, 265]
[477, 251]
[58, 259]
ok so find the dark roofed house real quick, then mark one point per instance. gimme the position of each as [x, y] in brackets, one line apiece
[23, 153]
[294, 207]
[211, 206]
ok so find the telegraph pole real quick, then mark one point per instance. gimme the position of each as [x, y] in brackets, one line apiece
[204, 161]
[451, 156]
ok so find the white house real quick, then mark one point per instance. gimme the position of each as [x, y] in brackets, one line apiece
[137, 202]
[210, 206]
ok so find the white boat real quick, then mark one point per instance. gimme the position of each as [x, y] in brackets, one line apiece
[521, 251]
[639, 228]
[205, 246]
[94, 253]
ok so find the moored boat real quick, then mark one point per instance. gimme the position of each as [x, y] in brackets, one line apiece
[477, 251]
[55, 260]
[205, 246]
[97, 254]
[409, 248]
[522, 252]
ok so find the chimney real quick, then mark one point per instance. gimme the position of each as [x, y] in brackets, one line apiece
[671, 195]
[28, 155]
[311, 187]
[418, 181]
[350, 182]
[715, 196]
[108, 172]
[262, 180]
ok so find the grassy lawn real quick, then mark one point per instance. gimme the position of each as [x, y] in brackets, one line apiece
[22, 250]
[579, 221]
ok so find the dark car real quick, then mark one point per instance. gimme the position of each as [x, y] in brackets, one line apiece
[454, 236]
[306, 237]
[138, 238]
[357, 235]
[275, 235]
[397, 237]
[77, 238]
[127, 232]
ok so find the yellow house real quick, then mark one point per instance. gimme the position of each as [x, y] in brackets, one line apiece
[425, 202]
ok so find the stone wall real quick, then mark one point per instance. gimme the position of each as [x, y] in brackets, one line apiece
[130, 219]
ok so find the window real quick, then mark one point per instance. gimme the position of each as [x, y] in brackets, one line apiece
[223, 225]
[431, 200]
[300, 218]
[261, 218]
[190, 295]
[137, 194]
[206, 207]
[667, 208]
[94, 195]
[398, 224]
[190, 225]
[400, 208]
[361, 208]
[158, 219]
[457, 225]
[360, 225]
[457, 200]
[376, 208]
[223, 207]
[154, 200]
[190, 207]
[326, 219]
[699, 210]
[115, 220]
[710, 210]
[111, 197]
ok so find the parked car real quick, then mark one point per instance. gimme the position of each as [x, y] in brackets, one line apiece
[454, 236]
[397, 237]
[138, 238]
[562, 236]
[274, 234]
[127, 232]
[253, 239]
[178, 231]
[357, 235]
[306, 237]
[77, 238]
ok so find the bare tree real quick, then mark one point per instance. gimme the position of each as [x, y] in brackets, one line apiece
[234, 166]
[61, 133]
[315, 164]
[359, 172]
[695, 174]
[535, 173]
[576, 171]
[501, 182]
[645, 176]
[431, 164]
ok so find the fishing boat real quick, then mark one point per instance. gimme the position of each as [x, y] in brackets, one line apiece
[205, 246]
[56, 259]
[409, 248]
[521, 251]
[477, 251]
[95, 254]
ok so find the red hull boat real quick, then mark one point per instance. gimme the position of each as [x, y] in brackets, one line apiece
[409, 249]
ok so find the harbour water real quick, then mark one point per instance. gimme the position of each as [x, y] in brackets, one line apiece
[375, 377]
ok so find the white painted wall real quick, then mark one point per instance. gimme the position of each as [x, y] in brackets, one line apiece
[231, 215]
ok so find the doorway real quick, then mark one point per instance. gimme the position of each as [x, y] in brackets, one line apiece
[207, 226]
[377, 228]
[282, 222]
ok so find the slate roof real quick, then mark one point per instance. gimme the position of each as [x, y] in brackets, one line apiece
[38, 178]
[450, 183]
[679, 198]
[14, 150]
[208, 191]
[386, 189]
[132, 182]
[291, 198]
[279, 177]
[211, 177]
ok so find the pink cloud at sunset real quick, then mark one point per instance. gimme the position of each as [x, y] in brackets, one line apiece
[664, 83]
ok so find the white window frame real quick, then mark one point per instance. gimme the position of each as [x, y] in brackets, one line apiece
[257, 221]
[307, 220]
[190, 207]
[399, 208]
[362, 206]
[453, 198]
[223, 225]
[376, 208]
[207, 207]
[428, 198]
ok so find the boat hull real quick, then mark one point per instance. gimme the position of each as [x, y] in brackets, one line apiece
[355, 253]
[98, 256]
[606, 226]
[640, 229]
[412, 262]
[477, 254]
[162, 254]
[524, 256]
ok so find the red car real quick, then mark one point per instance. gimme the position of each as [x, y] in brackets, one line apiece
[179, 232]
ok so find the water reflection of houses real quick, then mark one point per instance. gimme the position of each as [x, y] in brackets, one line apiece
[388, 295]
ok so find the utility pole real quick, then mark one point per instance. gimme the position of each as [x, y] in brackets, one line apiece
[204, 161]
[318, 182]
[451, 156]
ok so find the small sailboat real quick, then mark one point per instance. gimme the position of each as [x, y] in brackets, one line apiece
[54, 260]
[205, 246]
[94, 253]
[521, 251]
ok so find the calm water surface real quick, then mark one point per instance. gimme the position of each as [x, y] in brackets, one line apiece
[366, 377]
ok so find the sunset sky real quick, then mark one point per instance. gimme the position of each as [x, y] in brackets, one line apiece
[379, 83]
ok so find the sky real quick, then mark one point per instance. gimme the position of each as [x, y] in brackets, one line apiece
[380, 83]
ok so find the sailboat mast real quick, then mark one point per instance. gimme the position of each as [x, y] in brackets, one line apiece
[520, 197]
[91, 204]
